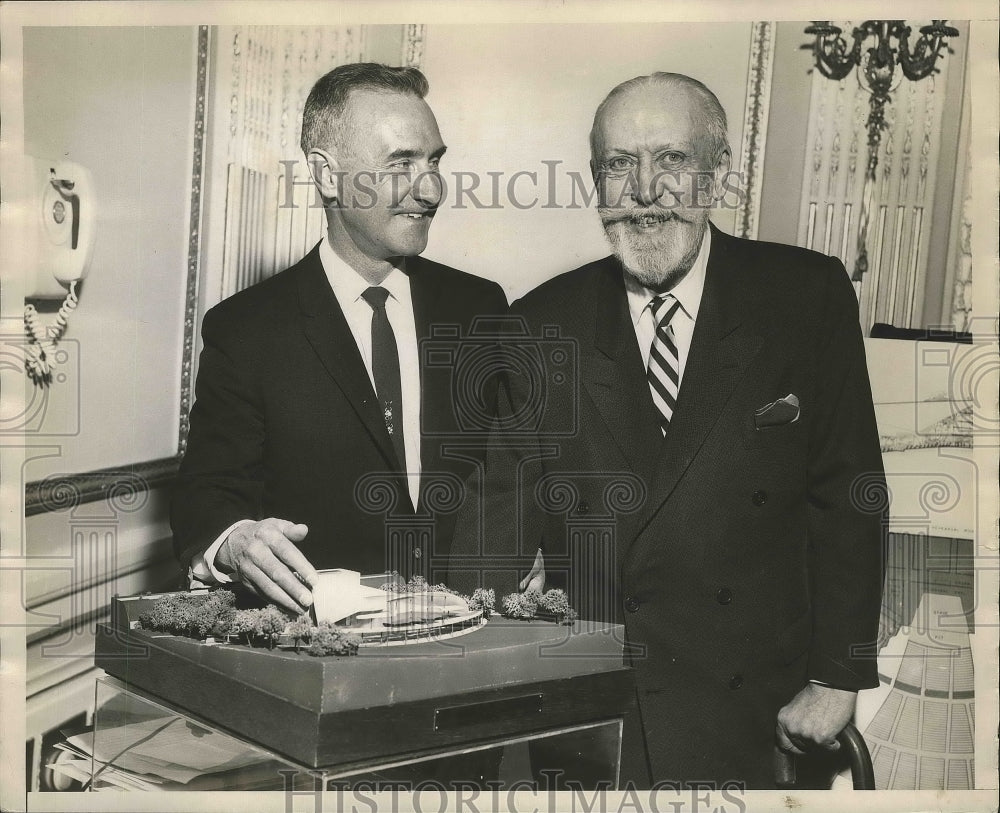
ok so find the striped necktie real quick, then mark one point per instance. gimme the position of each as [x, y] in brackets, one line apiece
[662, 369]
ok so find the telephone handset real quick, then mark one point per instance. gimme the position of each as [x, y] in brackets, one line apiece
[61, 194]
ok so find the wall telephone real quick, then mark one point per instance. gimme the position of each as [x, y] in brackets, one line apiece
[62, 217]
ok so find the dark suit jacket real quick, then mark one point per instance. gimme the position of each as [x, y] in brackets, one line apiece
[742, 561]
[286, 423]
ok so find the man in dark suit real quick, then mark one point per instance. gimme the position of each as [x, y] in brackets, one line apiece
[721, 458]
[307, 446]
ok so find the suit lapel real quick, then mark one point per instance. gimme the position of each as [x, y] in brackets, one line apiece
[435, 398]
[330, 336]
[725, 341]
[614, 377]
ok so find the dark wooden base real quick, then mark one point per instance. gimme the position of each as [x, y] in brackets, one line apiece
[505, 680]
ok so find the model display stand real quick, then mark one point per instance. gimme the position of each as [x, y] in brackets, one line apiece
[507, 679]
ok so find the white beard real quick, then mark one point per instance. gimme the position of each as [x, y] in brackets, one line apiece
[659, 261]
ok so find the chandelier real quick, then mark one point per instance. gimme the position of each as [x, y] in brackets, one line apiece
[879, 46]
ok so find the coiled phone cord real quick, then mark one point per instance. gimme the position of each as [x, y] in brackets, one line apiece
[41, 341]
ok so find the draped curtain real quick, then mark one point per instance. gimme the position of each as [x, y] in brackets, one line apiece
[262, 213]
[903, 204]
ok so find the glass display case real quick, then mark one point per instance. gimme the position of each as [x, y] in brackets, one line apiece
[143, 743]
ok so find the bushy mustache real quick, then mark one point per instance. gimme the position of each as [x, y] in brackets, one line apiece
[637, 217]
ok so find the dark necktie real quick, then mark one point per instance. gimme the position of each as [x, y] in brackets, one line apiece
[385, 367]
[663, 363]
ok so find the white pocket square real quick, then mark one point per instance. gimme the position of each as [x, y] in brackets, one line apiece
[777, 413]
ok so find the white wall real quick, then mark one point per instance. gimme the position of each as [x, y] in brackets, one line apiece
[508, 97]
[120, 102]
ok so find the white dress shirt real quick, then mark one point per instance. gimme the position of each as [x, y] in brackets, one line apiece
[348, 286]
[687, 292]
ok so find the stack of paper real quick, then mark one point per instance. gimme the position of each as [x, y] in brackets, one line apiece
[165, 753]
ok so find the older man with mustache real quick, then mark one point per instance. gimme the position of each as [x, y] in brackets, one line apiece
[723, 383]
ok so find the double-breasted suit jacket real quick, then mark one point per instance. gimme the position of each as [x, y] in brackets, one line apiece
[742, 550]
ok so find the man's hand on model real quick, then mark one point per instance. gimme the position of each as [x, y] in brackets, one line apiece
[263, 556]
[814, 718]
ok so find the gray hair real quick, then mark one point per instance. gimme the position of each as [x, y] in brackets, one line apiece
[322, 116]
[714, 115]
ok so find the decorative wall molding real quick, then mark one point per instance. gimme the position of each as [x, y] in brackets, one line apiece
[194, 239]
[961, 303]
[758, 102]
[125, 486]
[413, 46]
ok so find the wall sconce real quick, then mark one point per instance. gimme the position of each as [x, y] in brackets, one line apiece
[889, 45]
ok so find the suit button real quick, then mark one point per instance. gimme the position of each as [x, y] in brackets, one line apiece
[583, 507]
[736, 681]
[417, 553]
[632, 604]
[724, 596]
[758, 498]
